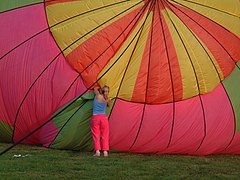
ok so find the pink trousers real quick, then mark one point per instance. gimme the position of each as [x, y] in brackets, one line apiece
[99, 127]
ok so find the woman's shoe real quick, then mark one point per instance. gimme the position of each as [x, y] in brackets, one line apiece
[105, 153]
[97, 153]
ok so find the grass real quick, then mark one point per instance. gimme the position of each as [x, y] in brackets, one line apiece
[42, 163]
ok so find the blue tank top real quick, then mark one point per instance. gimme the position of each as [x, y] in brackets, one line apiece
[99, 107]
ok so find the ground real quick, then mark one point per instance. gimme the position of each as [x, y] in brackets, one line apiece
[42, 163]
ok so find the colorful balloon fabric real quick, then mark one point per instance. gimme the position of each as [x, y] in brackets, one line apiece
[173, 67]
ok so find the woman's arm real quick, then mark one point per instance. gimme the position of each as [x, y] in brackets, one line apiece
[96, 90]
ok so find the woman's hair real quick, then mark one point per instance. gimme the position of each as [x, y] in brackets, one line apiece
[105, 86]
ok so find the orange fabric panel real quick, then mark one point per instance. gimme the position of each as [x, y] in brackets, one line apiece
[51, 2]
[156, 71]
[223, 45]
[91, 56]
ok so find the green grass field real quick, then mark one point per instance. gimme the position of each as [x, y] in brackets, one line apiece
[41, 163]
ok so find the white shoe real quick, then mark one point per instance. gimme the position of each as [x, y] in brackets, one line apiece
[97, 153]
[105, 153]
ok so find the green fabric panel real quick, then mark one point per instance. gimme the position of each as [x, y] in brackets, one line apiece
[6, 132]
[60, 120]
[12, 4]
[76, 134]
[232, 85]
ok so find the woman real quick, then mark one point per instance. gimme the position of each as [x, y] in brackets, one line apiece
[99, 123]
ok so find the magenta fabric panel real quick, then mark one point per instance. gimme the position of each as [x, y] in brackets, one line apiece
[155, 130]
[188, 127]
[234, 147]
[124, 123]
[20, 24]
[19, 70]
[219, 122]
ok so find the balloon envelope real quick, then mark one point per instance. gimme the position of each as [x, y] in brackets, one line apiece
[172, 66]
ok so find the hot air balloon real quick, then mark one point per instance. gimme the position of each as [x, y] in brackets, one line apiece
[172, 66]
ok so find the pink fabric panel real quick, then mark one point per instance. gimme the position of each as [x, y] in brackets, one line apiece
[20, 68]
[155, 130]
[219, 122]
[188, 129]
[124, 123]
[20, 24]
[234, 147]
[45, 98]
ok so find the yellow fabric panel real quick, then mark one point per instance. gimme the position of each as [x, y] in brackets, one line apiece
[229, 21]
[214, 62]
[205, 71]
[127, 88]
[62, 11]
[69, 31]
[114, 76]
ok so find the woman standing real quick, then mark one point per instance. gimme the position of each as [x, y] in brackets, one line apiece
[99, 123]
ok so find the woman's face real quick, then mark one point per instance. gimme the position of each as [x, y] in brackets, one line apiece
[105, 91]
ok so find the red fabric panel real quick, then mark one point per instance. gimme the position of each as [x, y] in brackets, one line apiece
[234, 147]
[188, 129]
[124, 126]
[213, 33]
[155, 130]
[51, 2]
[140, 88]
[219, 122]
[92, 48]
